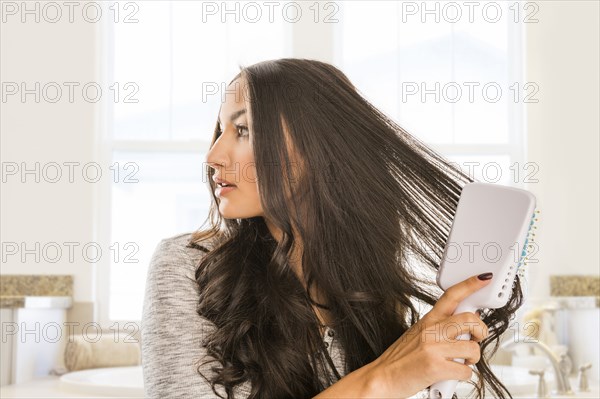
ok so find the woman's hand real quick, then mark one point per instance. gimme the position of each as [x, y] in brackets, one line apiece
[423, 355]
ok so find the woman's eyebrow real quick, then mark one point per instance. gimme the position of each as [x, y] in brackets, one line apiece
[233, 116]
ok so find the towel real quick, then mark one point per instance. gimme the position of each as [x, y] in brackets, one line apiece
[109, 351]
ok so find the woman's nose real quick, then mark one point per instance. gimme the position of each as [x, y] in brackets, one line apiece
[216, 156]
[214, 165]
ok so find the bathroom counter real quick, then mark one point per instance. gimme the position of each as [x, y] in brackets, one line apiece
[36, 291]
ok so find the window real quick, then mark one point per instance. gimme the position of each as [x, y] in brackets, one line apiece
[166, 69]
[436, 68]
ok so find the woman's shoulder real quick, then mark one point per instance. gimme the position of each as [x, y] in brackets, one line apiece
[171, 292]
[182, 241]
[181, 248]
[174, 262]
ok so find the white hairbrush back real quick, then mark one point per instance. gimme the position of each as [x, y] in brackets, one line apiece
[489, 234]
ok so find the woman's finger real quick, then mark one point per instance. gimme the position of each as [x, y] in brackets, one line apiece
[451, 370]
[449, 329]
[468, 350]
[454, 295]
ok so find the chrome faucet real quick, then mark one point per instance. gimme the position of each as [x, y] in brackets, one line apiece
[563, 386]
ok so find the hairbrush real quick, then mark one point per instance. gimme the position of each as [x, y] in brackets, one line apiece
[489, 233]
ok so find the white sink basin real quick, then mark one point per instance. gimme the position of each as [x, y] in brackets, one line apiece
[110, 382]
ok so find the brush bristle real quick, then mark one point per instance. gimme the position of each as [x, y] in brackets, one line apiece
[523, 258]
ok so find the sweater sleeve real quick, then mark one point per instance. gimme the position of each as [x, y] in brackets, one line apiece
[172, 330]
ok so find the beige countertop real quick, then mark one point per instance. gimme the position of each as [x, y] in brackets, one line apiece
[35, 291]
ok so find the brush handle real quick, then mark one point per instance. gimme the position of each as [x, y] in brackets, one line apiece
[446, 389]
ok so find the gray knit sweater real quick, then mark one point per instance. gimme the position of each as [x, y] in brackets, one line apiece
[172, 330]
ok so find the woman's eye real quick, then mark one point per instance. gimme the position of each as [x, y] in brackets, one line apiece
[242, 128]
[239, 128]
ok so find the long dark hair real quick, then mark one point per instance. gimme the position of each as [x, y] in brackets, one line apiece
[373, 206]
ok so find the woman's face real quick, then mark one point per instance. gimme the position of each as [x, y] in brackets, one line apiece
[232, 158]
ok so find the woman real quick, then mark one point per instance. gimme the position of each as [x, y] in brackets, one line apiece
[306, 280]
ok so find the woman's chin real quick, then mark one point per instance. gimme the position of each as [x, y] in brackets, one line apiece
[227, 212]
[229, 215]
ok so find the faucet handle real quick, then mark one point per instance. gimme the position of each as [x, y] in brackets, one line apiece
[565, 364]
[582, 379]
[542, 389]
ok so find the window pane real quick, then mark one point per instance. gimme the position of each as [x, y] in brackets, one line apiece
[425, 54]
[481, 56]
[141, 59]
[200, 52]
[369, 54]
[421, 70]
[178, 61]
[169, 198]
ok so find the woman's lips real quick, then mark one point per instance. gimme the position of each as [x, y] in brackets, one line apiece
[219, 191]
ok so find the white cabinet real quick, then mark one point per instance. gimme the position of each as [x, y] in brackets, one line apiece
[33, 338]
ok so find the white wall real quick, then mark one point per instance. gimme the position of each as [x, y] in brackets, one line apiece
[48, 132]
[563, 131]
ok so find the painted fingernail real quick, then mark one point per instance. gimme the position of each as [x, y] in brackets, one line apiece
[485, 276]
